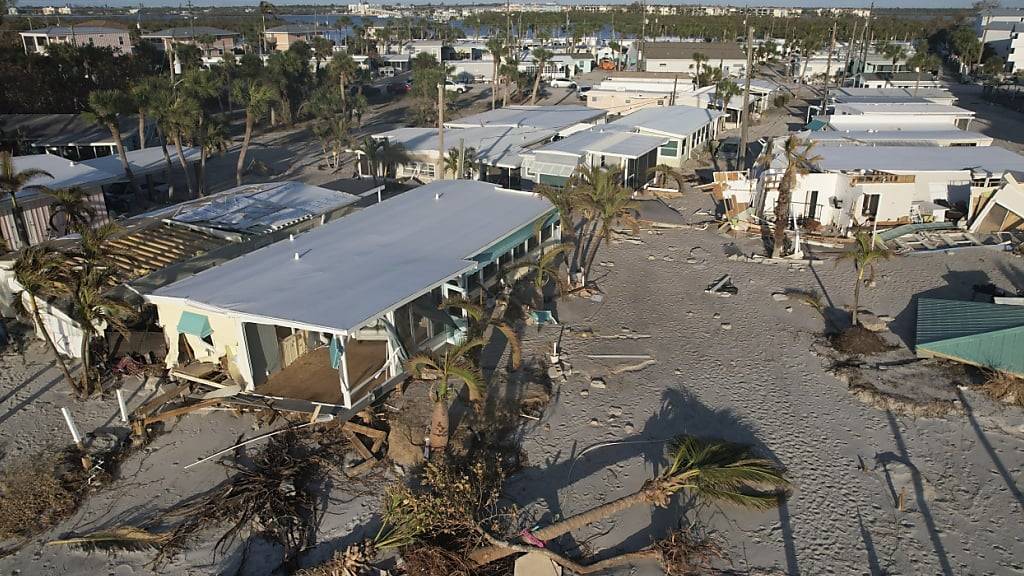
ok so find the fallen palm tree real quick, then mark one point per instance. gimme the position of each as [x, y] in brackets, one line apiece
[706, 469]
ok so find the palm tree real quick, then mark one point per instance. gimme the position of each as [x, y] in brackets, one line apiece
[667, 171]
[541, 57]
[74, 205]
[441, 368]
[510, 72]
[38, 270]
[894, 52]
[798, 162]
[607, 203]
[703, 469]
[481, 322]
[344, 67]
[91, 307]
[865, 255]
[725, 91]
[322, 50]
[200, 88]
[213, 141]
[258, 96]
[153, 99]
[179, 121]
[12, 182]
[699, 59]
[104, 108]
[544, 270]
[496, 46]
[459, 165]
[390, 155]
[922, 61]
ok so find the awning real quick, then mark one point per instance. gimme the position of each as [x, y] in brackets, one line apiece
[522, 235]
[194, 324]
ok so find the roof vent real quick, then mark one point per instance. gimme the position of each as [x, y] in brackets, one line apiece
[291, 237]
[296, 256]
[437, 196]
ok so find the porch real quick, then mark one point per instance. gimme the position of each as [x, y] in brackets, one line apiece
[313, 377]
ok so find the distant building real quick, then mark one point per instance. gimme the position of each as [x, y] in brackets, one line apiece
[282, 37]
[36, 41]
[220, 41]
[1003, 32]
[729, 57]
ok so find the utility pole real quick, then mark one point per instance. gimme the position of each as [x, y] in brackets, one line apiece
[440, 131]
[675, 84]
[741, 155]
[643, 35]
[828, 65]
[849, 53]
[462, 159]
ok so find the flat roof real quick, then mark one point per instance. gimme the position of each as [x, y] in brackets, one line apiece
[854, 95]
[189, 32]
[68, 31]
[911, 108]
[672, 120]
[550, 117]
[602, 141]
[64, 173]
[850, 123]
[989, 159]
[260, 208]
[685, 50]
[497, 145]
[62, 129]
[907, 137]
[142, 161]
[358, 267]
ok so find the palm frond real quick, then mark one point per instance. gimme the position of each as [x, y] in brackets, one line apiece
[121, 539]
[474, 382]
[418, 362]
[472, 309]
[514, 345]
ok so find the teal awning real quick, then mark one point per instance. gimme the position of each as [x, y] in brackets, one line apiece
[194, 324]
[816, 125]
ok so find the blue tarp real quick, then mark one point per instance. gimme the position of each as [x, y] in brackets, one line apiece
[194, 324]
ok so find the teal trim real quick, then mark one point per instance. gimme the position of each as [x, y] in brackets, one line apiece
[335, 351]
[893, 233]
[979, 333]
[671, 149]
[515, 239]
[194, 324]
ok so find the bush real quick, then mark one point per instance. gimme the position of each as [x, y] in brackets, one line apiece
[38, 492]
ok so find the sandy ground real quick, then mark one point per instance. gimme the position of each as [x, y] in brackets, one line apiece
[744, 369]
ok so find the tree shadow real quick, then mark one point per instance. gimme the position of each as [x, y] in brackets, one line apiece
[983, 439]
[874, 568]
[922, 504]
[959, 286]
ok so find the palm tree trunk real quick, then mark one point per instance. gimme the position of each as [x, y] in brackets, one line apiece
[115, 131]
[856, 296]
[19, 219]
[168, 169]
[490, 554]
[245, 148]
[86, 364]
[53, 347]
[142, 128]
[494, 86]
[781, 218]
[184, 165]
[439, 427]
[536, 83]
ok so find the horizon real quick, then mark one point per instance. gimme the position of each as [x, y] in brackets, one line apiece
[884, 4]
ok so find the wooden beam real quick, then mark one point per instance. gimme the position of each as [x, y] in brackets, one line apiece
[183, 410]
[162, 399]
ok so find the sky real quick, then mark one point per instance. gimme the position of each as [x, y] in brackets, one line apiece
[779, 3]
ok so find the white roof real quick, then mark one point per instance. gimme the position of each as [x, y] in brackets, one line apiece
[65, 173]
[905, 137]
[550, 117]
[258, 208]
[871, 122]
[358, 267]
[911, 108]
[984, 159]
[600, 141]
[143, 161]
[851, 94]
[672, 120]
[496, 145]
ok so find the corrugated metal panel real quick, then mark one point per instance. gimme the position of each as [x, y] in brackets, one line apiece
[939, 320]
[999, 350]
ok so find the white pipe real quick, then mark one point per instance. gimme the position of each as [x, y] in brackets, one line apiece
[121, 405]
[71, 426]
[321, 418]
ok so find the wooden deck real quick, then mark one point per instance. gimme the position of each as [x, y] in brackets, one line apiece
[311, 377]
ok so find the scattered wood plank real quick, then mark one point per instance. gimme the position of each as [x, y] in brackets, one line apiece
[162, 399]
[183, 410]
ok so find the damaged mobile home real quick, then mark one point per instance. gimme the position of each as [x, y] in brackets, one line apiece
[325, 319]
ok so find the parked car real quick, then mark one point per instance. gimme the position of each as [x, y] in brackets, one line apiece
[561, 83]
[399, 88]
[369, 90]
[457, 87]
[581, 92]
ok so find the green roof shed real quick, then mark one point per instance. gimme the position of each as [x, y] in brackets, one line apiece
[977, 333]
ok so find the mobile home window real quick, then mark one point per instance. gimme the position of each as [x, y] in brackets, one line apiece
[671, 149]
[870, 205]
